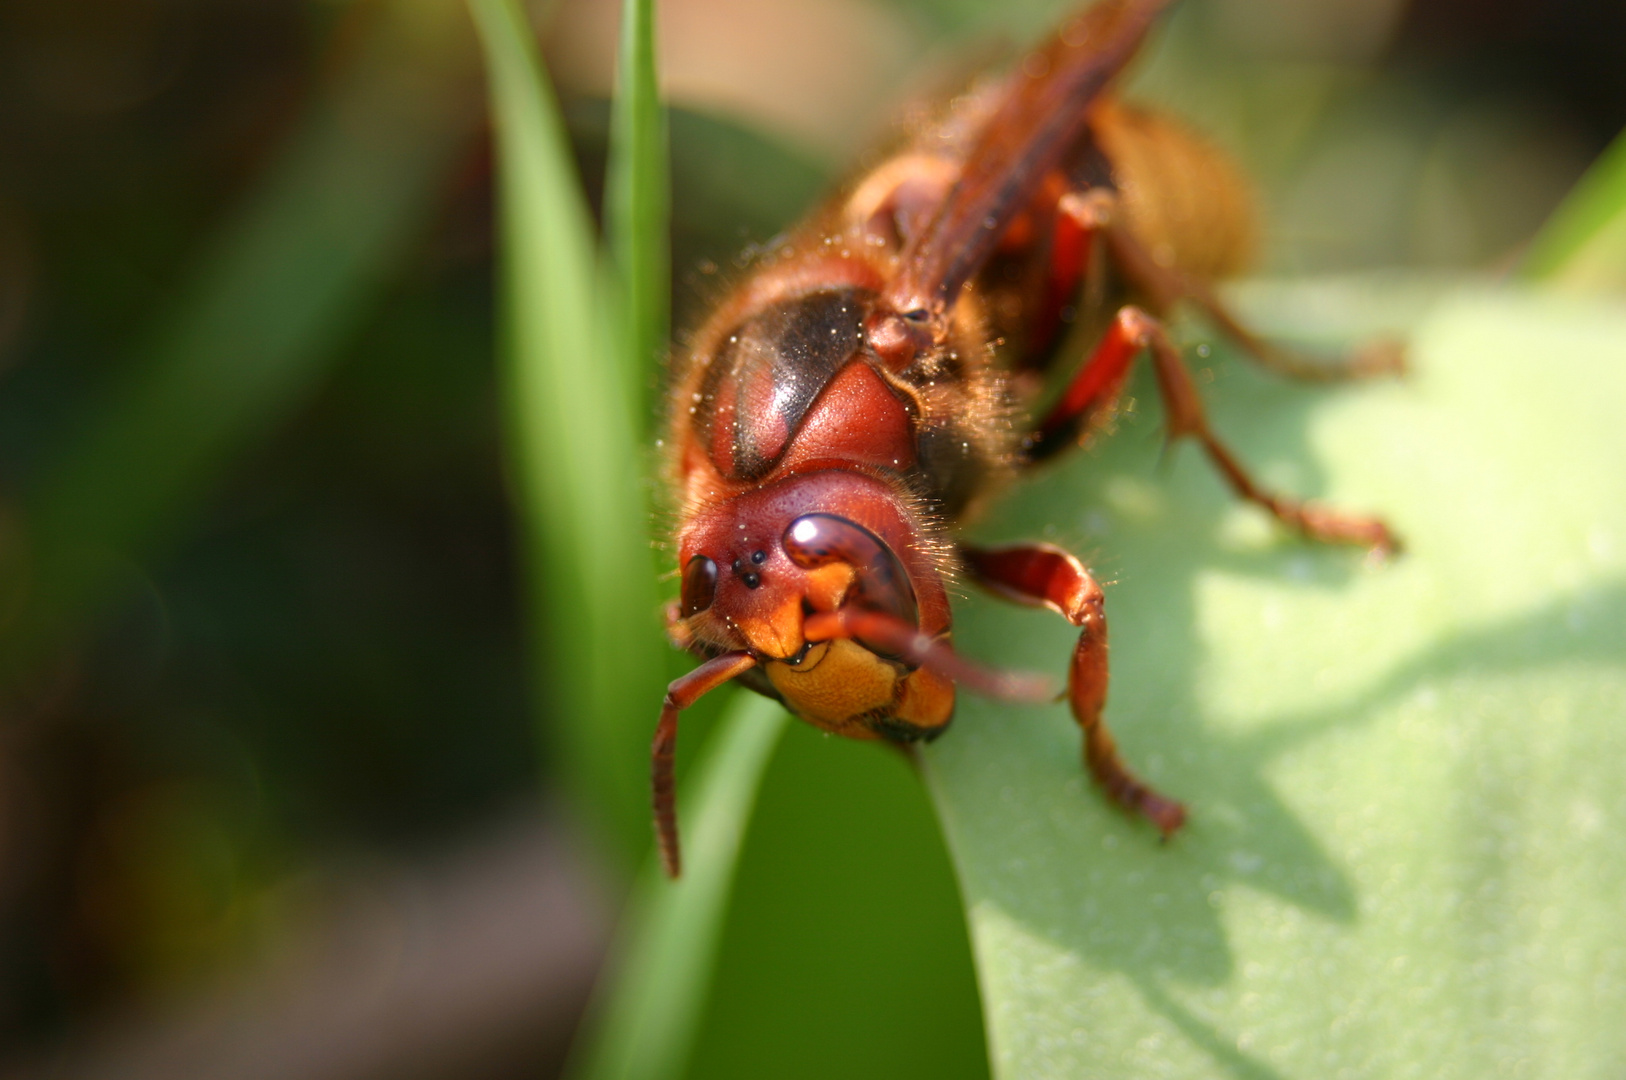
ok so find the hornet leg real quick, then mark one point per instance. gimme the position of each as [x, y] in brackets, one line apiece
[682, 693]
[1165, 286]
[1044, 576]
[1095, 387]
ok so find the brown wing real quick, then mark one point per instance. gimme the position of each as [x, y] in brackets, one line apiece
[1044, 112]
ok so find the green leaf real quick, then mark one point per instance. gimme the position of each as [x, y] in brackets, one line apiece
[578, 358]
[575, 449]
[1583, 244]
[636, 197]
[650, 1009]
[845, 952]
[1406, 853]
[255, 328]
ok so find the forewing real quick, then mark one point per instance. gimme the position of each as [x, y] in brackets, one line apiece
[1044, 112]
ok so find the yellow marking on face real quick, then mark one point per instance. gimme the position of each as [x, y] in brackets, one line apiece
[927, 700]
[774, 633]
[848, 683]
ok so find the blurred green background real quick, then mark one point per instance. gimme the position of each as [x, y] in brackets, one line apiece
[273, 799]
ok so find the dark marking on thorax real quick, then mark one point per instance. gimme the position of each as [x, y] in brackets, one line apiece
[767, 373]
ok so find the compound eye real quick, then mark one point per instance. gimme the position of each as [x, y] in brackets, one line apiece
[699, 585]
[882, 584]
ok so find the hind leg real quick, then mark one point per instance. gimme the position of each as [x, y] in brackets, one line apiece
[1094, 388]
[1094, 213]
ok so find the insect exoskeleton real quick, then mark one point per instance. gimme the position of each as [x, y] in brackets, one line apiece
[878, 375]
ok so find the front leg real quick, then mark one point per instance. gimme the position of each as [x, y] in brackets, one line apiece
[680, 694]
[1040, 575]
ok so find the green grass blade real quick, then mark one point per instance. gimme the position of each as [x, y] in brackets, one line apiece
[574, 447]
[1583, 244]
[260, 320]
[635, 195]
[649, 1012]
